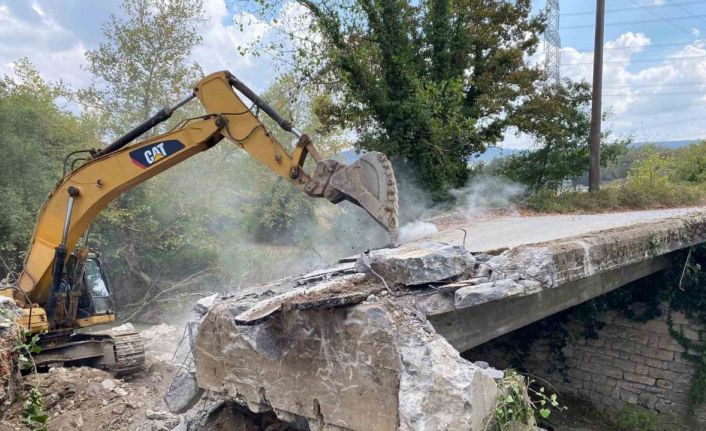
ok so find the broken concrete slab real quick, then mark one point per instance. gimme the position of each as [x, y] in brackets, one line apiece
[558, 274]
[486, 292]
[417, 263]
[336, 292]
[326, 273]
[369, 366]
[530, 269]
[183, 392]
[204, 304]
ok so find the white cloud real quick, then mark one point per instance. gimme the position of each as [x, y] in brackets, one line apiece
[649, 100]
[55, 51]
[35, 7]
[222, 37]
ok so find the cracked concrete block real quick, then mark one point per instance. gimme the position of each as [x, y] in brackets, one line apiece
[372, 366]
[486, 292]
[438, 389]
[525, 262]
[204, 304]
[418, 263]
[183, 392]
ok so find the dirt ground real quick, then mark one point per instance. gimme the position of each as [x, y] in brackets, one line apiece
[89, 399]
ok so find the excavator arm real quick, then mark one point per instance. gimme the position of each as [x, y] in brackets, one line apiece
[83, 193]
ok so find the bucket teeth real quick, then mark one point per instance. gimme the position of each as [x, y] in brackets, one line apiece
[370, 183]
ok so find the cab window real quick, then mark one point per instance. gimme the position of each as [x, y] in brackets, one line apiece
[95, 283]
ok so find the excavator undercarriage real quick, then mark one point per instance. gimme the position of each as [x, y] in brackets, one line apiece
[120, 352]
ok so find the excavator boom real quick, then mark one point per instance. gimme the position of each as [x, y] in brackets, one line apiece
[83, 193]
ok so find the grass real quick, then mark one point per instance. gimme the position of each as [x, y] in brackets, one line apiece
[633, 418]
[616, 197]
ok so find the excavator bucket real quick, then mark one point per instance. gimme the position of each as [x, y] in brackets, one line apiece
[370, 183]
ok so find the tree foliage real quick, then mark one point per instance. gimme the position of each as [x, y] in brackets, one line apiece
[559, 119]
[432, 81]
[143, 62]
[34, 137]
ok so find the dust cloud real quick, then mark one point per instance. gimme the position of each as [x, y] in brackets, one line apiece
[316, 237]
[486, 192]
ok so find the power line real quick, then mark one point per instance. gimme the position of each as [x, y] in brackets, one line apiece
[685, 10]
[642, 60]
[626, 9]
[682, 120]
[651, 45]
[683, 107]
[671, 84]
[643, 21]
[674, 93]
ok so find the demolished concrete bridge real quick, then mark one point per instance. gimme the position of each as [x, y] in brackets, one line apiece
[373, 343]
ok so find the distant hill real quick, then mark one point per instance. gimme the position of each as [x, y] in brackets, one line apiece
[672, 145]
[493, 153]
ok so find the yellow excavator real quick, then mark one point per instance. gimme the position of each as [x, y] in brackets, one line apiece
[63, 287]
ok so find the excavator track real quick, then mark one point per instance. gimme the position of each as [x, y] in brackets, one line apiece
[129, 354]
[122, 353]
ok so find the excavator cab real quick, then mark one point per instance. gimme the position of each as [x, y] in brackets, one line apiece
[97, 297]
[84, 296]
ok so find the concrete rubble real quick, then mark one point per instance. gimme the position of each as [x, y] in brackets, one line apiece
[417, 263]
[354, 348]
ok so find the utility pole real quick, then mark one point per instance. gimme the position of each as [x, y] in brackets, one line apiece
[594, 139]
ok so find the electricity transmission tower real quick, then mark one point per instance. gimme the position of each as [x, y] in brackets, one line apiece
[552, 43]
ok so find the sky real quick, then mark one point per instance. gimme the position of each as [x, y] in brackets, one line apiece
[654, 72]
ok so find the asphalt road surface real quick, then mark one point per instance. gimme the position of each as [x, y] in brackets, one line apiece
[489, 233]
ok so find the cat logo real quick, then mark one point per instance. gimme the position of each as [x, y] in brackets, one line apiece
[147, 156]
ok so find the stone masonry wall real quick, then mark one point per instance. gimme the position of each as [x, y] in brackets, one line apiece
[629, 363]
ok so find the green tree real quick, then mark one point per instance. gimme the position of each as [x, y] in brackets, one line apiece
[559, 120]
[432, 81]
[656, 171]
[690, 163]
[143, 63]
[35, 135]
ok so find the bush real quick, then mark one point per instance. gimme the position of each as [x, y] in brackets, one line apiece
[633, 418]
[614, 198]
[690, 163]
[653, 182]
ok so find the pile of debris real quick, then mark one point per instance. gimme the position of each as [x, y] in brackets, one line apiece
[83, 398]
[9, 335]
[89, 399]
